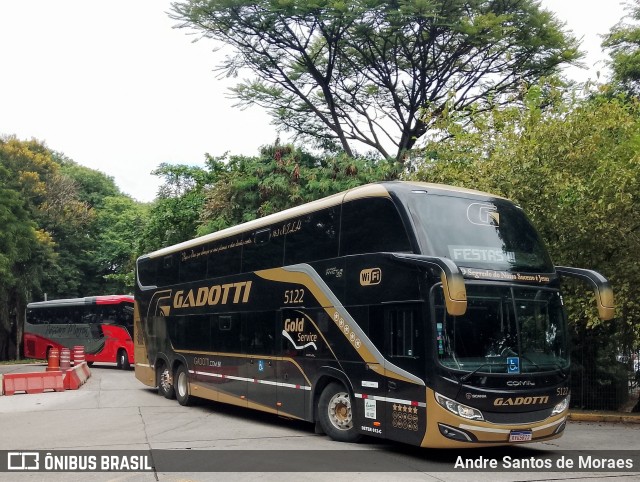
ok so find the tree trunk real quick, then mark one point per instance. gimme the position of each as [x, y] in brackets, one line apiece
[5, 325]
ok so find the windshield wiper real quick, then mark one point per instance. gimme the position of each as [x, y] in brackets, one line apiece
[464, 378]
[526, 358]
[539, 368]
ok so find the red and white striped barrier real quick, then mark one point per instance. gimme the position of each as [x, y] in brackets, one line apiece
[76, 376]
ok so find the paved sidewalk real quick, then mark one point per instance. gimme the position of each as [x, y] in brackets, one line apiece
[575, 415]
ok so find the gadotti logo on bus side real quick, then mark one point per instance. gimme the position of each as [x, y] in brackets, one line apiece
[213, 295]
[520, 401]
[371, 276]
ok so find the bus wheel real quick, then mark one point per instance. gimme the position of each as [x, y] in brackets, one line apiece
[123, 360]
[336, 415]
[165, 382]
[182, 386]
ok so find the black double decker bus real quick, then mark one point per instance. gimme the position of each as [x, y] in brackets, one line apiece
[416, 312]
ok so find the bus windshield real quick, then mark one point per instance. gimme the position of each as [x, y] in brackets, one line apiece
[506, 329]
[493, 234]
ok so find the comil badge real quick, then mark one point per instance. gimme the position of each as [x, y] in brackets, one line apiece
[371, 276]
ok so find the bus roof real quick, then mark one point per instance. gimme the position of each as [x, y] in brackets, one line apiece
[89, 300]
[381, 189]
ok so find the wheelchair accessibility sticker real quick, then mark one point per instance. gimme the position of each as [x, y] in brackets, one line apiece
[513, 364]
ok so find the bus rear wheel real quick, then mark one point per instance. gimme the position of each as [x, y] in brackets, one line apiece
[122, 360]
[165, 382]
[182, 386]
[335, 413]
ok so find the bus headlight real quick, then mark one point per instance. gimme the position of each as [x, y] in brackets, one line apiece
[561, 407]
[459, 409]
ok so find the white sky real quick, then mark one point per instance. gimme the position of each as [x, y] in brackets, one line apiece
[112, 86]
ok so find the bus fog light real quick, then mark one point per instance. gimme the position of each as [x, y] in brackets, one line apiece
[561, 407]
[459, 409]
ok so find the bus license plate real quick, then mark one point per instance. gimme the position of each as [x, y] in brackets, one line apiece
[520, 436]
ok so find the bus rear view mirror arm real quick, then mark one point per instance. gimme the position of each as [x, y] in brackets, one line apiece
[455, 293]
[601, 288]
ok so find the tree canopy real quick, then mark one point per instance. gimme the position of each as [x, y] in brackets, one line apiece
[282, 176]
[232, 189]
[623, 44]
[67, 231]
[376, 74]
[575, 169]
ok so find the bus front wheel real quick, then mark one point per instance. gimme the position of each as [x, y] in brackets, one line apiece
[165, 382]
[182, 386]
[336, 414]
[123, 360]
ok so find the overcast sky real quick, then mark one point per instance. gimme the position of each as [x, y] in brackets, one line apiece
[114, 87]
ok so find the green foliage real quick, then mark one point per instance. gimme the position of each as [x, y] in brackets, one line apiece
[119, 227]
[362, 73]
[175, 215]
[282, 177]
[575, 169]
[93, 186]
[623, 44]
[24, 248]
[67, 232]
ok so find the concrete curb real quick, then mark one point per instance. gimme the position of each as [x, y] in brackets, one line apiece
[610, 417]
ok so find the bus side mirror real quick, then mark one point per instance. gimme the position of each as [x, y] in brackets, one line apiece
[455, 292]
[601, 288]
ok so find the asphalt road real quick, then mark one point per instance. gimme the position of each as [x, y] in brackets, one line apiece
[113, 411]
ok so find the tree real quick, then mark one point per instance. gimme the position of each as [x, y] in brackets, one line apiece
[281, 177]
[119, 226]
[25, 249]
[623, 43]
[92, 186]
[97, 231]
[175, 215]
[364, 72]
[67, 231]
[575, 169]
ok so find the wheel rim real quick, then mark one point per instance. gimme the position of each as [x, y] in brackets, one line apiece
[339, 410]
[182, 384]
[165, 380]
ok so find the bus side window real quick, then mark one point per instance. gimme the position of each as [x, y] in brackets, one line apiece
[372, 225]
[107, 314]
[405, 342]
[312, 237]
[167, 270]
[88, 316]
[191, 332]
[147, 271]
[193, 264]
[261, 250]
[225, 333]
[401, 330]
[224, 258]
[61, 315]
[259, 330]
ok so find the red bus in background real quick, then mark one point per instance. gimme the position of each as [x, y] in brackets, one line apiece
[102, 324]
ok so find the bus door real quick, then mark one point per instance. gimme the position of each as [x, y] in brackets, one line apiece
[298, 341]
[404, 344]
[258, 336]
